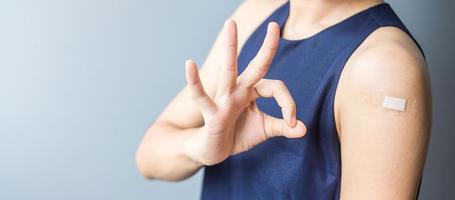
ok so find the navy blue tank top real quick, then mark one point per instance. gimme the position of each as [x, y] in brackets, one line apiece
[308, 167]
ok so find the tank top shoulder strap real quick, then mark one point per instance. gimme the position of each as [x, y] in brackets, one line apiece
[353, 31]
[386, 16]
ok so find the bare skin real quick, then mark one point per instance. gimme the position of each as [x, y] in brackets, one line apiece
[383, 151]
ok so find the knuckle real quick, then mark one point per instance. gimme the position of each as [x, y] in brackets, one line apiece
[196, 95]
[278, 85]
[272, 48]
[277, 127]
[258, 66]
[229, 103]
[292, 105]
[230, 67]
[261, 68]
[231, 44]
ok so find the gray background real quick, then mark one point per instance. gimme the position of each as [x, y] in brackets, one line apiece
[80, 81]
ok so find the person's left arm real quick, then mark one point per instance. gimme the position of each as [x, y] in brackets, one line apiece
[383, 150]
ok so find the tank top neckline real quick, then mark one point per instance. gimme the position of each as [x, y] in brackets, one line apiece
[282, 20]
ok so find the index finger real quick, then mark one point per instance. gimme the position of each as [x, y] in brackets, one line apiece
[259, 65]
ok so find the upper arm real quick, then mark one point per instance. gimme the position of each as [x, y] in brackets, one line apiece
[247, 16]
[383, 151]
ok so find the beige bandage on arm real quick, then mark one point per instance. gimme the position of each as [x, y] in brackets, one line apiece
[394, 103]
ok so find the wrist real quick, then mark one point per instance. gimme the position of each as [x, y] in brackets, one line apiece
[191, 149]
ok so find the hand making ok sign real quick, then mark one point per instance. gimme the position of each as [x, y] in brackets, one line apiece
[232, 121]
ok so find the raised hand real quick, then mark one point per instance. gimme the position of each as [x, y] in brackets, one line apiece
[232, 121]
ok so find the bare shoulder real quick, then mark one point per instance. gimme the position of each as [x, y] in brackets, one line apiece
[387, 54]
[251, 13]
[387, 63]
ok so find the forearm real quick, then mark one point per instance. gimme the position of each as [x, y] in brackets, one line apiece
[161, 154]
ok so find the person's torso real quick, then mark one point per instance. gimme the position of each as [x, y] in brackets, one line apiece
[308, 167]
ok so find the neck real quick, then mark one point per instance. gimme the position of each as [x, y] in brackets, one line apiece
[318, 14]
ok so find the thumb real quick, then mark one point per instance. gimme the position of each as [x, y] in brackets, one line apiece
[278, 127]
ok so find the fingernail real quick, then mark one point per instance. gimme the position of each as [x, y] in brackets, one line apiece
[187, 62]
[226, 23]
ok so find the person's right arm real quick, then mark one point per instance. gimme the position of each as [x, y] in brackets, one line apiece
[163, 153]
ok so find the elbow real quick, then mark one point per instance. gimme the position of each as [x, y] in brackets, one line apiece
[147, 171]
[145, 161]
[154, 161]
[149, 168]
[143, 166]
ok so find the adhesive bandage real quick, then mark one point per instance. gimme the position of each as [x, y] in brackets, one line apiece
[394, 103]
